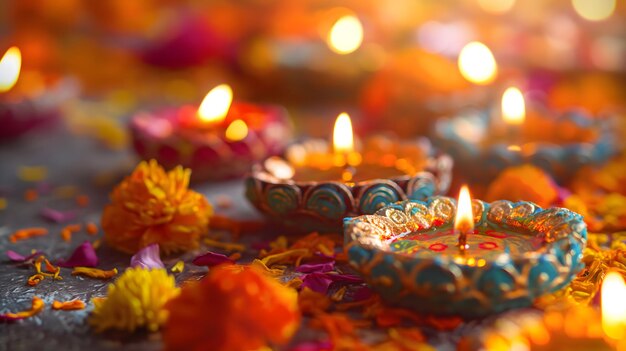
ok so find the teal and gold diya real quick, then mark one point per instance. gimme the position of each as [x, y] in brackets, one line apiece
[471, 260]
[313, 187]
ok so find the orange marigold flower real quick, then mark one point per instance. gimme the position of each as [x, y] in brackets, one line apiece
[523, 183]
[152, 206]
[234, 308]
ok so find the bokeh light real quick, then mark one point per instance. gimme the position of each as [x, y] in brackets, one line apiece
[594, 10]
[477, 64]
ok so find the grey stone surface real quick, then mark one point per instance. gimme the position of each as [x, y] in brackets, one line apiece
[93, 170]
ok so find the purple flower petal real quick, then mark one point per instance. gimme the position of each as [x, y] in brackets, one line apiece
[346, 278]
[362, 293]
[5, 318]
[211, 259]
[147, 258]
[57, 216]
[321, 265]
[313, 346]
[83, 256]
[320, 282]
[16, 257]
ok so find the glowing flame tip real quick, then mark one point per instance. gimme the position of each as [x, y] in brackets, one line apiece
[10, 66]
[513, 106]
[343, 138]
[464, 219]
[613, 305]
[216, 103]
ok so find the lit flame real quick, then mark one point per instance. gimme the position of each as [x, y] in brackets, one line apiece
[10, 65]
[343, 139]
[464, 219]
[596, 10]
[513, 107]
[216, 103]
[477, 64]
[614, 306]
[237, 130]
[346, 35]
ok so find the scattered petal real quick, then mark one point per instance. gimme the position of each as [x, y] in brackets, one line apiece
[274, 272]
[16, 257]
[31, 195]
[68, 305]
[27, 233]
[211, 259]
[94, 272]
[82, 200]
[362, 293]
[320, 282]
[35, 279]
[84, 256]
[32, 173]
[313, 346]
[37, 306]
[225, 246]
[147, 258]
[179, 267]
[321, 265]
[91, 228]
[57, 216]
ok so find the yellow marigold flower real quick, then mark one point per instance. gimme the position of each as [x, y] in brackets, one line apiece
[135, 301]
[523, 183]
[233, 308]
[153, 206]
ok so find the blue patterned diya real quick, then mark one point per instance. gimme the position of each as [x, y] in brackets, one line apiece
[551, 142]
[517, 252]
[306, 198]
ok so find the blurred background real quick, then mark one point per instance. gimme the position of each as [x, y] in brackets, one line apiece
[392, 64]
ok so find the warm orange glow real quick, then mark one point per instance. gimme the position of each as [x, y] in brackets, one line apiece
[343, 139]
[216, 104]
[477, 64]
[346, 35]
[614, 306]
[496, 6]
[513, 106]
[10, 65]
[464, 219]
[237, 130]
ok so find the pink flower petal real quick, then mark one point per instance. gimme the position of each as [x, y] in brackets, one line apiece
[16, 257]
[57, 216]
[211, 259]
[321, 265]
[83, 256]
[313, 346]
[320, 282]
[147, 258]
[362, 293]
[5, 318]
